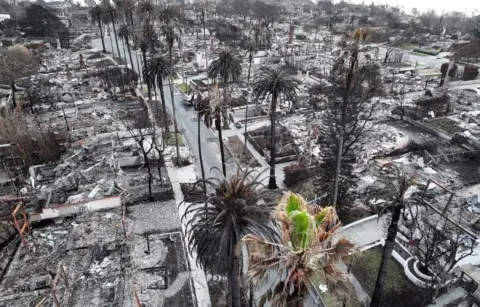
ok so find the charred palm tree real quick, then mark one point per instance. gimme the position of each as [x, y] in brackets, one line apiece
[156, 70]
[97, 12]
[219, 222]
[270, 82]
[227, 66]
[126, 35]
[394, 193]
[306, 252]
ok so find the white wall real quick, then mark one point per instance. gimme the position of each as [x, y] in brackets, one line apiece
[71, 209]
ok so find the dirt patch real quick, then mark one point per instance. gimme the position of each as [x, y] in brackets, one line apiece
[191, 189]
[236, 148]
[285, 147]
[218, 292]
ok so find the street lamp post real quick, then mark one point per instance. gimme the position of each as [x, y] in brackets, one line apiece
[249, 101]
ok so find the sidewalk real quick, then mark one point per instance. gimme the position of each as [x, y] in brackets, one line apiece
[196, 273]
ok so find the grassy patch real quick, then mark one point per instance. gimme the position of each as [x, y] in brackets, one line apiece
[417, 53]
[171, 140]
[365, 268]
[183, 87]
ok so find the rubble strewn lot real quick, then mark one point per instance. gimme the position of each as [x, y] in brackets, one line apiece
[102, 267]
[132, 246]
[95, 167]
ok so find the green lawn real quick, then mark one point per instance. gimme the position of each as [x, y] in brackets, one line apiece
[418, 53]
[183, 87]
[366, 266]
[171, 140]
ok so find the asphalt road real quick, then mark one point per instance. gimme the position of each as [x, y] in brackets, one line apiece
[187, 124]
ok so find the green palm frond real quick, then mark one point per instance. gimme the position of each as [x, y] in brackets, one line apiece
[294, 203]
[308, 252]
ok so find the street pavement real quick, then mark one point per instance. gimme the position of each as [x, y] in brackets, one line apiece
[187, 124]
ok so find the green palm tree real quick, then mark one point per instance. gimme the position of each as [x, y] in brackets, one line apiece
[275, 82]
[155, 71]
[219, 221]
[126, 35]
[226, 66]
[96, 12]
[306, 252]
[394, 193]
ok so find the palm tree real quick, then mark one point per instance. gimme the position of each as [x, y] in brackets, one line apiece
[113, 17]
[119, 6]
[219, 221]
[202, 107]
[227, 66]
[394, 194]
[129, 6]
[97, 12]
[307, 252]
[157, 69]
[251, 48]
[126, 35]
[143, 45]
[146, 11]
[171, 37]
[203, 17]
[275, 83]
[169, 15]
